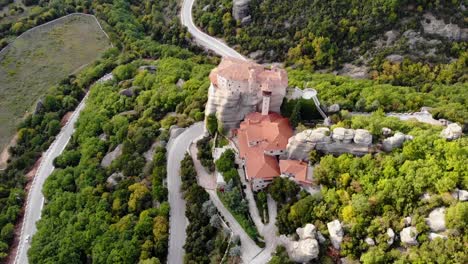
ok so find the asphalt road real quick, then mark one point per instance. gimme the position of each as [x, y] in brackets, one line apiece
[35, 199]
[203, 39]
[177, 222]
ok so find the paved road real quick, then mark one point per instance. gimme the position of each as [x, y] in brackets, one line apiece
[177, 221]
[35, 199]
[203, 39]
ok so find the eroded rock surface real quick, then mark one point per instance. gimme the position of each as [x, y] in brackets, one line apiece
[452, 131]
[436, 220]
[408, 236]
[336, 233]
[432, 25]
[395, 141]
[109, 157]
[240, 9]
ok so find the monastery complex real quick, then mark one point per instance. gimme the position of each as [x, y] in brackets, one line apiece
[246, 99]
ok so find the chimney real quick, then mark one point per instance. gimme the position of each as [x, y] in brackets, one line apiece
[266, 102]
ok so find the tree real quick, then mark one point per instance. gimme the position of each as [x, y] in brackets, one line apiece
[212, 124]
[296, 114]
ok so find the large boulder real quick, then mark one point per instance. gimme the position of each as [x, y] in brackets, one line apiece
[436, 220]
[462, 195]
[336, 233]
[452, 131]
[433, 236]
[114, 179]
[240, 9]
[109, 157]
[369, 241]
[344, 135]
[334, 108]
[300, 145]
[396, 141]
[362, 137]
[308, 231]
[391, 236]
[408, 236]
[303, 251]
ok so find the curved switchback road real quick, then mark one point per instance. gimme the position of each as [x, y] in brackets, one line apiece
[176, 149]
[203, 39]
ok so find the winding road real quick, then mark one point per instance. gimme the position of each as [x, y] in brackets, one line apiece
[177, 221]
[204, 40]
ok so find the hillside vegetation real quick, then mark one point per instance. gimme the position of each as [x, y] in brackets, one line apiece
[39, 59]
[319, 34]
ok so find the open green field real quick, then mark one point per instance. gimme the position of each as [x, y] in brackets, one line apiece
[39, 59]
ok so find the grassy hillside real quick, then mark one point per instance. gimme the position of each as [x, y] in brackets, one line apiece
[40, 58]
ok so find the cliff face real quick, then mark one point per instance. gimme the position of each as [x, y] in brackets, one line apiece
[231, 107]
[240, 9]
[237, 89]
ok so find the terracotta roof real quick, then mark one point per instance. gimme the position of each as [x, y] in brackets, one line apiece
[271, 133]
[297, 169]
[241, 70]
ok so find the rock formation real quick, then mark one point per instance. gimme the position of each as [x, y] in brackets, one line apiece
[306, 248]
[343, 135]
[334, 108]
[391, 236]
[336, 233]
[396, 141]
[433, 236]
[369, 241]
[341, 141]
[452, 131]
[114, 179]
[109, 157]
[436, 220]
[408, 236]
[240, 9]
[431, 25]
[362, 137]
[300, 145]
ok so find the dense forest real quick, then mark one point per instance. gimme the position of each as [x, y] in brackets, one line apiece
[78, 171]
[319, 34]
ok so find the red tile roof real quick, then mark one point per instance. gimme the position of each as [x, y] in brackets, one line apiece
[297, 169]
[240, 70]
[270, 133]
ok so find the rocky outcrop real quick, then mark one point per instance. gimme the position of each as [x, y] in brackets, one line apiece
[343, 135]
[369, 241]
[340, 141]
[396, 141]
[452, 131]
[362, 137]
[114, 179]
[391, 236]
[300, 145]
[353, 71]
[334, 108]
[408, 236]
[433, 236]
[308, 231]
[306, 248]
[240, 9]
[432, 25]
[436, 220]
[336, 233]
[109, 157]
[462, 195]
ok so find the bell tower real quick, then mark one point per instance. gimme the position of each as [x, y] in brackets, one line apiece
[266, 102]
